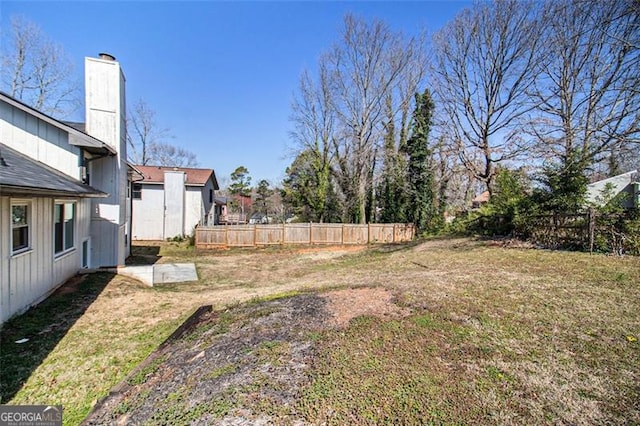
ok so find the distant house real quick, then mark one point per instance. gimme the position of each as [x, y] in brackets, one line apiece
[480, 200]
[626, 183]
[63, 190]
[234, 209]
[259, 218]
[169, 202]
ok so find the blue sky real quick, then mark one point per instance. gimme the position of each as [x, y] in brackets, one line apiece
[220, 75]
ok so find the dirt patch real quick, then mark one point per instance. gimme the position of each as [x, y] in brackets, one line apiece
[230, 362]
[344, 305]
[71, 285]
[234, 363]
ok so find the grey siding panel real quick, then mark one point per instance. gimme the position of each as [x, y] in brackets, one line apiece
[28, 278]
[4, 261]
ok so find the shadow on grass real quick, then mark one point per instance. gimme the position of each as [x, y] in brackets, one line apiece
[44, 326]
[144, 255]
[457, 242]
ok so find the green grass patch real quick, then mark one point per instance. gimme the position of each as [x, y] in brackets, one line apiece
[44, 326]
[276, 296]
[498, 336]
[148, 370]
[73, 356]
[222, 371]
[379, 372]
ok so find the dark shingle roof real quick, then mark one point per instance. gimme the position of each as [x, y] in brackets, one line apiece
[21, 175]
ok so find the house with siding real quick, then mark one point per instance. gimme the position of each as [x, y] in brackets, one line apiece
[63, 190]
[169, 202]
[625, 185]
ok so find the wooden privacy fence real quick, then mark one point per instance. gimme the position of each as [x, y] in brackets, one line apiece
[301, 233]
[561, 230]
[614, 232]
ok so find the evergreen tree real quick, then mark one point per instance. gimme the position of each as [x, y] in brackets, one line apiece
[240, 187]
[565, 185]
[263, 193]
[308, 189]
[421, 207]
[391, 190]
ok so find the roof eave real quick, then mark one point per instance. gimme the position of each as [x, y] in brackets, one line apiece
[27, 191]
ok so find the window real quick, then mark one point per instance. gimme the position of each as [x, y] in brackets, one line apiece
[19, 227]
[63, 226]
[136, 192]
[211, 195]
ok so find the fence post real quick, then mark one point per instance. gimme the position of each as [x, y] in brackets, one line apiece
[369, 233]
[342, 235]
[255, 235]
[393, 239]
[310, 233]
[284, 233]
[226, 235]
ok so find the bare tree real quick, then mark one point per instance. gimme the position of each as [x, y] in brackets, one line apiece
[143, 133]
[483, 67]
[586, 92]
[37, 70]
[164, 154]
[146, 140]
[314, 129]
[365, 87]
[368, 65]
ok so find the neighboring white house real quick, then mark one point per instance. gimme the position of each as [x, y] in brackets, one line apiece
[628, 183]
[63, 190]
[170, 201]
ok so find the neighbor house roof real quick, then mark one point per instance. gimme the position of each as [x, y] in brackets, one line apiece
[76, 137]
[195, 177]
[23, 176]
[597, 192]
[482, 198]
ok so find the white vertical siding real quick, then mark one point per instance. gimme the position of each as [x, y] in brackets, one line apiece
[208, 206]
[168, 210]
[148, 214]
[4, 259]
[194, 207]
[106, 120]
[174, 202]
[27, 278]
[39, 140]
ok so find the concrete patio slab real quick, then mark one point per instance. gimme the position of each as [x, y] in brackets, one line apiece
[174, 273]
[164, 273]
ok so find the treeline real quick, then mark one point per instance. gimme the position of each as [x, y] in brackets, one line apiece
[394, 127]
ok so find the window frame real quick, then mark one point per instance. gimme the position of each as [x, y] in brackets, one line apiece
[63, 227]
[27, 247]
[136, 189]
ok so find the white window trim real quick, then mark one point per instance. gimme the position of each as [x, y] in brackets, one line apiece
[74, 247]
[28, 248]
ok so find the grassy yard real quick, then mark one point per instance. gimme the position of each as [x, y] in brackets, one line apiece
[489, 334]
